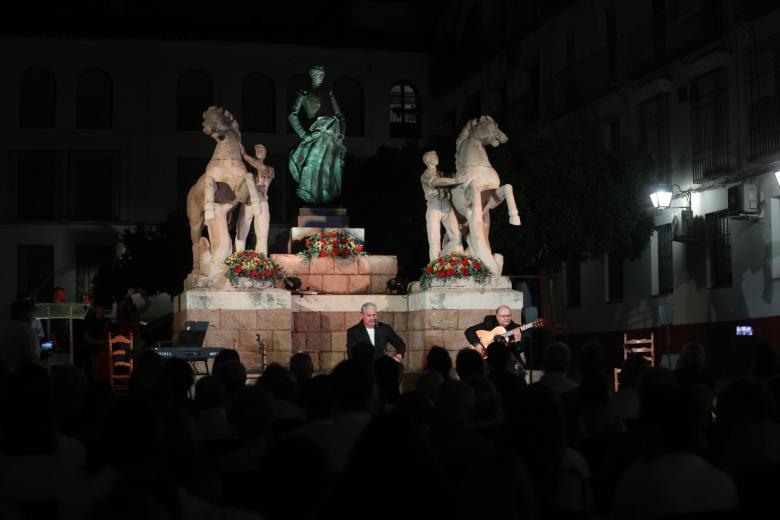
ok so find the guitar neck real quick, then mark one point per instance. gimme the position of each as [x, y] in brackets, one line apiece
[521, 328]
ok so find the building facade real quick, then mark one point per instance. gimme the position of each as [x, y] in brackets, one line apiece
[101, 134]
[694, 84]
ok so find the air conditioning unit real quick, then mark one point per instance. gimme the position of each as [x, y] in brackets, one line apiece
[684, 227]
[743, 199]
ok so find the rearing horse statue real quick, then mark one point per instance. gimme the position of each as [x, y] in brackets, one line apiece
[483, 190]
[225, 183]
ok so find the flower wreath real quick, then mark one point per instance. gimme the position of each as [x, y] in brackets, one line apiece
[454, 266]
[334, 244]
[252, 265]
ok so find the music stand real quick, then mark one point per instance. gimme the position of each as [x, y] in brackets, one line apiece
[193, 334]
[58, 311]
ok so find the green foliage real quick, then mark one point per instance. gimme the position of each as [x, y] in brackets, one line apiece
[156, 259]
[577, 201]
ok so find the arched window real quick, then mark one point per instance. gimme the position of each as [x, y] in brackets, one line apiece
[37, 98]
[404, 111]
[95, 99]
[296, 84]
[258, 104]
[349, 96]
[194, 97]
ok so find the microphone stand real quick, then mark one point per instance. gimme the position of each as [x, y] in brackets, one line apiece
[530, 349]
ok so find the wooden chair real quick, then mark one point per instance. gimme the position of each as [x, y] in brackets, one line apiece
[644, 347]
[120, 363]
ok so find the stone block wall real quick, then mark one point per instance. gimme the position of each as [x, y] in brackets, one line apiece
[323, 334]
[318, 323]
[440, 327]
[238, 329]
[356, 275]
[438, 317]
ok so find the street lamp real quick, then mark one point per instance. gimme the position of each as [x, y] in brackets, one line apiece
[662, 196]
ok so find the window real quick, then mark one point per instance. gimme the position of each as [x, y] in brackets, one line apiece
[194, 97]
[612, 134]
[404, 111]
[95, 102]
[258, 104]
[472, 108]
[89, 258]
[349, 96]
[57, 185]
[774, 227]
[685, 8]
[653, 125]
[534, 88]
[718, 248]
[572, 87]
[36, 185]
[763, 100]
[614, 277]
[294, 86]
[37, 98]
[659, 29]
[610, 24]
[573, 284]
[709, 124]
[665, 261]
[502, 90]
[449, 121]
[35, 271]
[93, 184]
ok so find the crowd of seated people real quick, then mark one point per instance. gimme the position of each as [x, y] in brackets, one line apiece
[469, 440]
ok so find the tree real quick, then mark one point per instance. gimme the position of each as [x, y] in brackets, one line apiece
[577, 202]
[156, 258]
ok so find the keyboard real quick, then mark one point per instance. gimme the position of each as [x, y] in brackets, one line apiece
[189, 353]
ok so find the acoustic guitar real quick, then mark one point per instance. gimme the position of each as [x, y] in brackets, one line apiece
[486, 337]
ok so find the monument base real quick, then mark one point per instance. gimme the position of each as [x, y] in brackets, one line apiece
[367, 274]
[318, 324]
[439, 316]
[235, 319]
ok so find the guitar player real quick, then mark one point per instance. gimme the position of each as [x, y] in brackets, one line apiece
[502, 318]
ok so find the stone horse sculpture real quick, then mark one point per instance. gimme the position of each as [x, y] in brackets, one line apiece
[210, 200]
[483, 190]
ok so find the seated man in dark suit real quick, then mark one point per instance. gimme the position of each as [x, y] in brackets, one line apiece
[502, 318]
[370, 332]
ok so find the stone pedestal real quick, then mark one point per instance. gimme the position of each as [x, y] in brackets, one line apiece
[320, 323]
[439, 315]
[355, 275]
[236, 317]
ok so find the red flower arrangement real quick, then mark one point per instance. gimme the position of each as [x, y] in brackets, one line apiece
[454, 266]
[334, 244]
[252, 265]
